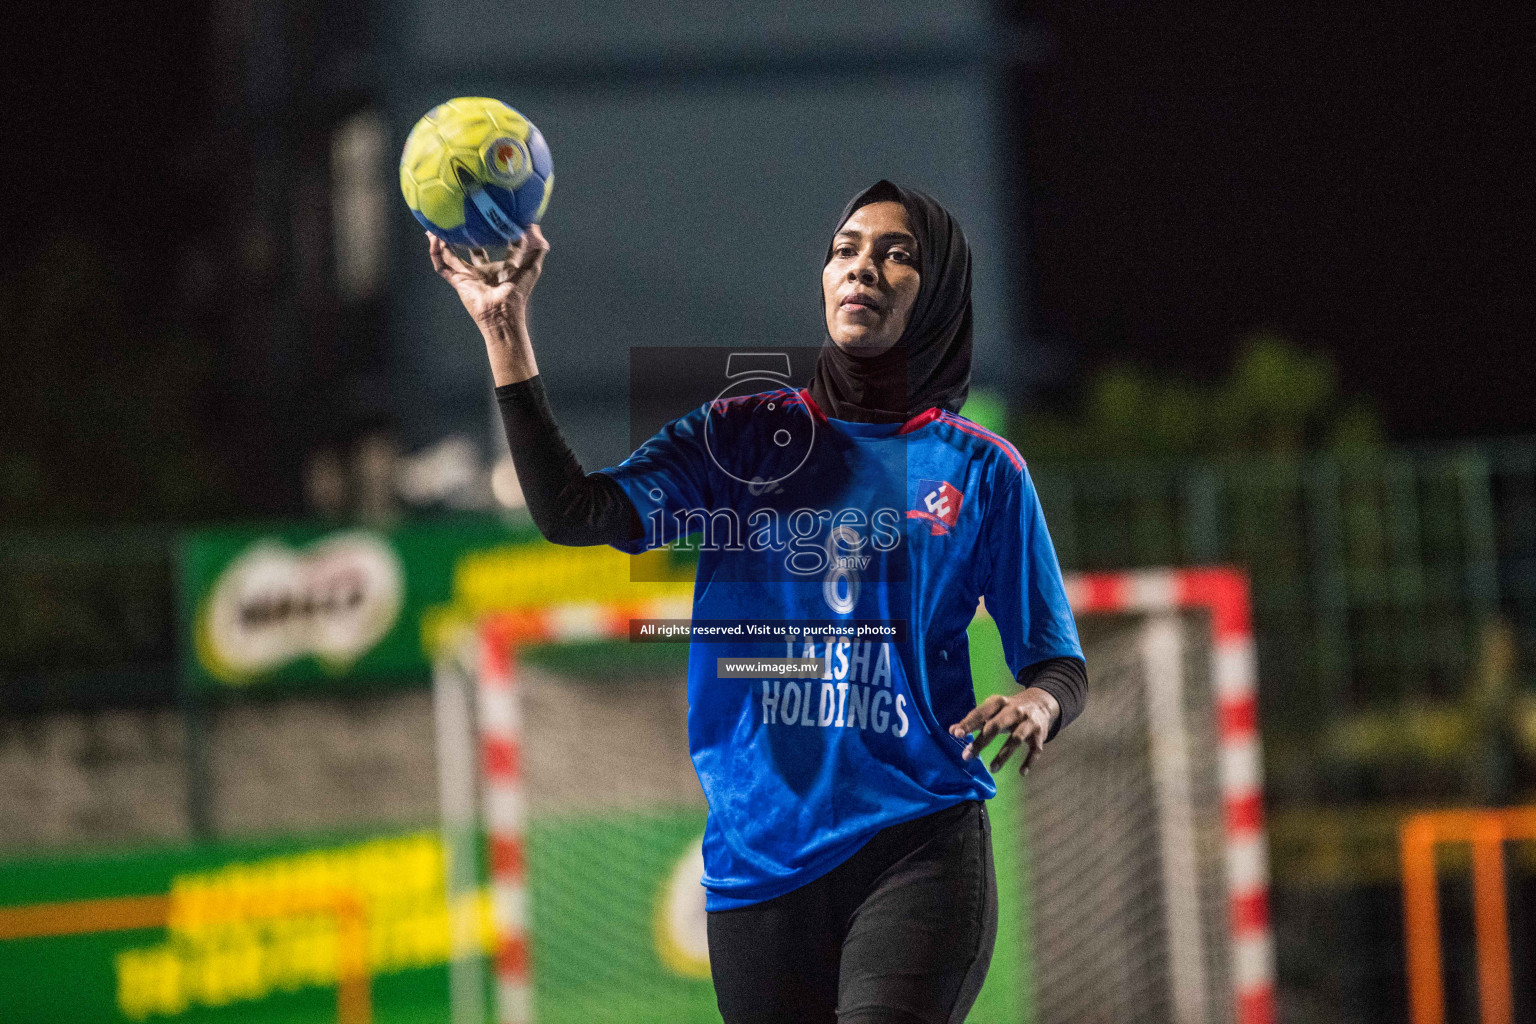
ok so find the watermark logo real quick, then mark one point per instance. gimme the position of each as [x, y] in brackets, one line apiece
[753, 438]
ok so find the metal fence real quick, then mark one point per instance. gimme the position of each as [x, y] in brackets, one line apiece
[1374, 576]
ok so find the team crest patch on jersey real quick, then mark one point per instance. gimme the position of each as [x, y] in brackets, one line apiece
[938, 503]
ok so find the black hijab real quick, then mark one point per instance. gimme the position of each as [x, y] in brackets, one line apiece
[930, 365]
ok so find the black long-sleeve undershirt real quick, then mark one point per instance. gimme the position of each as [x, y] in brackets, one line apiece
[569, 505]
[573, 507]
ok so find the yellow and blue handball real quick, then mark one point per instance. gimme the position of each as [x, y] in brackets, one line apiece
[476, 173]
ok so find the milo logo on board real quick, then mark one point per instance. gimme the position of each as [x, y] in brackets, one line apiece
[275, 604]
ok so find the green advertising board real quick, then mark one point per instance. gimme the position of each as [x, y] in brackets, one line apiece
[306, 604]
[313, 607]
[220, 949]
[240, 939]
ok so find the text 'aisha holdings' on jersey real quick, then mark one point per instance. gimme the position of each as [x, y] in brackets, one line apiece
[856, 691]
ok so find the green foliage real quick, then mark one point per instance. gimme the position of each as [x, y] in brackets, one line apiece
[1277, 399]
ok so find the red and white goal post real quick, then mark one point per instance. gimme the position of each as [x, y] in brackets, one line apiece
[1214, 959]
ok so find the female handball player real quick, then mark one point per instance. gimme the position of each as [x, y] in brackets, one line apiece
[848, 857]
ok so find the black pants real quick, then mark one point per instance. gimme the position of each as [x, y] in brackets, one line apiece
[901, 933]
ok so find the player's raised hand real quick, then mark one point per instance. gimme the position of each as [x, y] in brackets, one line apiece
[1025, 718]
[493, 291]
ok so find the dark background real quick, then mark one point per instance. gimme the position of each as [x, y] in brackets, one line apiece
[1359, 181]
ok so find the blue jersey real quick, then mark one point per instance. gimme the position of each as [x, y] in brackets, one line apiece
[805, 518]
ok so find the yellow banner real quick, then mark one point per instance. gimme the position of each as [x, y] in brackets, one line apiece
[514, 577]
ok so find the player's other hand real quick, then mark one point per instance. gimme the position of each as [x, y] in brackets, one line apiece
[495, 292]
[1025, 718]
